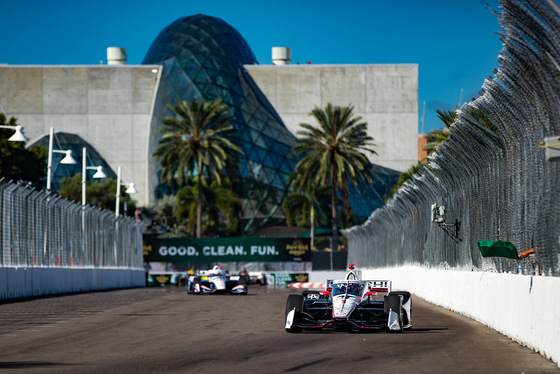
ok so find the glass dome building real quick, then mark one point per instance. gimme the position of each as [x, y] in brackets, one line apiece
[203, 57]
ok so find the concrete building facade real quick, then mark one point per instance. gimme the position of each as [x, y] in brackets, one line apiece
[118, 108]
[109, 106]
[385, 96]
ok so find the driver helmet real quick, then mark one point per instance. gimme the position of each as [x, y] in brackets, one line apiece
[353, 287]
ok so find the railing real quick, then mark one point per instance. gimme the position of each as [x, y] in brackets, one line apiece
[44, 230]
[491, 175]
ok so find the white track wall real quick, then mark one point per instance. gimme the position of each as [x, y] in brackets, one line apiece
[29, 282]
[524, 308]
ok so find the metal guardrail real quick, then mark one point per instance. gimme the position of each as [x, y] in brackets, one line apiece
[45, 230]
[492, 175]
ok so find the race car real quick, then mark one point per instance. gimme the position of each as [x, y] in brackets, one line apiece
[215, 281]
[254, 277]
[350, 304]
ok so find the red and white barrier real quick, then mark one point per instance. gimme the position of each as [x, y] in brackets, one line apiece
[321, 285]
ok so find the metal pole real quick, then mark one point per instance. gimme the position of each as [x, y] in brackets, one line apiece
[49, 172]
[116, 237]
[84, 245]
[49, 162]
[332, 249]
[84, 170]
[118, 191]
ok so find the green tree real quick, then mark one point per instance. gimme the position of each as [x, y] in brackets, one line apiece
[405, 176]
[435, 138]
[306, 207]
[196, 142]
[333, 152]
[100, 193]
[221, 208]
[71, 188]
[163, 212]
[18, 163]
[448, 117]
[438, 136]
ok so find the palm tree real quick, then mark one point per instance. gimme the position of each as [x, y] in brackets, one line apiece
[333, 152]
[404, 177]
[306, 206]
[438, 136]
[220, 205]
[435, 138]
[196, 142]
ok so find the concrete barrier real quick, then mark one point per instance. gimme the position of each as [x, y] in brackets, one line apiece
[36, 281]
[524, 308]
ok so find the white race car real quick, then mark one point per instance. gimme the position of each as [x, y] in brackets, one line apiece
[216, 281]
[350, 304]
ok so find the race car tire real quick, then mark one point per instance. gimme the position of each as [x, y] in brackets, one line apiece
[197, 281]
[294, 302]
[407, 298]
[243, 282]
[393, 302]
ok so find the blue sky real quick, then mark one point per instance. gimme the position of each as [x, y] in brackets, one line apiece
[455, 42]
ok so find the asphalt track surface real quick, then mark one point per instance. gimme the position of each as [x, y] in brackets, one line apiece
[166, 330]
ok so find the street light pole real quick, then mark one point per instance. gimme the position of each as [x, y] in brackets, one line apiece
[118, 191]
[131, 189]
[49, 162]
[68, 159]
[84, 171]
[99, 174]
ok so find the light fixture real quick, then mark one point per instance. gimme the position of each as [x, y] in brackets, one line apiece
[18, 135]
[68, 159]
[98, 174]
[130, 190]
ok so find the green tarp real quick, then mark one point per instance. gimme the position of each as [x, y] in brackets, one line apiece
[489, 248]
[319, 231]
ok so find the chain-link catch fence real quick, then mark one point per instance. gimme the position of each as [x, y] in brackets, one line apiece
[38, 229]
[491, 175]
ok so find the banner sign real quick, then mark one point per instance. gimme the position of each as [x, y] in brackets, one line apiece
[284, 279]
[245, 249]
[164, 279]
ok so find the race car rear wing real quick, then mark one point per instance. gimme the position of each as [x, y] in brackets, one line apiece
[373, 285]
[380, 285]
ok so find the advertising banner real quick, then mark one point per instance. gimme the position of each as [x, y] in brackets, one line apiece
[237, 249]
[284, 278]
[164, 279]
